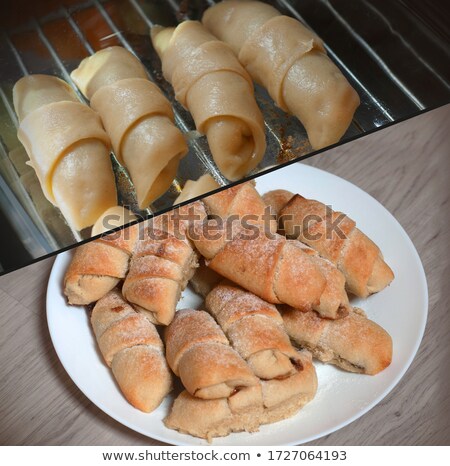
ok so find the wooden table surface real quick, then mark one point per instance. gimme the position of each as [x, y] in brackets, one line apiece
[407, 168]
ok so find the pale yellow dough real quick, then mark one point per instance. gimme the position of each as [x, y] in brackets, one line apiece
[211, 83]
[137, 117]
[290, 61]
[68, 148]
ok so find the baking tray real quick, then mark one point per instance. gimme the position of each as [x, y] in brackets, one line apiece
[397, 61]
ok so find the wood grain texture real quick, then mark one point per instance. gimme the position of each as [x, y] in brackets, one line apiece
[407, 168]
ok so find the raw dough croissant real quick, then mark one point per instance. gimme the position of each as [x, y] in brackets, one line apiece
[211, 83]
[68, 148]
[138, 118]
[196, 188]
[290, 61]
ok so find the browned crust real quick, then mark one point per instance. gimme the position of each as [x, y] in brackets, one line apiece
[131, 346]
[354, 342]
[355, 255]
[190, 328]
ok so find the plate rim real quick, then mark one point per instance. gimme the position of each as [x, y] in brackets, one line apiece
[374, 402]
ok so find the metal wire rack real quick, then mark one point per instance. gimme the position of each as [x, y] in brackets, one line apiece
[58, 39]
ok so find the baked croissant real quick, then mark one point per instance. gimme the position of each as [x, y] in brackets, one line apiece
[275, 269]
[68, 148]
[268, 402]
[163, 262]
[254, 329]
[277, 199]
[131, 346]
[98, 266]
[334, 301]
[353, 253]
[290, 61]
[211, 83]
[216, 417]
[199, 353]
[138, 118]
[353, 343]
[242, 202]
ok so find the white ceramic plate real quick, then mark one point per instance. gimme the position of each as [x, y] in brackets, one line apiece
[342, 397]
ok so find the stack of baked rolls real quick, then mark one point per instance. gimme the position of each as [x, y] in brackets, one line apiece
[68, 148]
[273, 301]
[291, 62]
[137, 117]
[211, 83]
[163, 262]
[235, 378]
[352, 341]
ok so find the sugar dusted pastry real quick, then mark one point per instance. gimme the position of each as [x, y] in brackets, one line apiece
[138, 118]
[68, 148]
[353, 343]
[98, 266]
[255, 330]
[291, 62]
[277, 199]
[270, 401]
[241, 201]
[273, 268]
[163, 262]
[353, 253]
[211, 83]
[131, 346]
[216, 417]
[198, 352]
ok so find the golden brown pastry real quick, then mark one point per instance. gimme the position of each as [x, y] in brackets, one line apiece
[131, 346]
[334, 300]
[199, 353]
[163, 262]
[268, 402]
[216, 417]
[138, 118]
[353, 253]
[98, 266]
[277, 199]
[275, 269]
[68, 148]
[254, 329]
[290, 61]
[353, 343]
[241, 202]
[211, 83]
